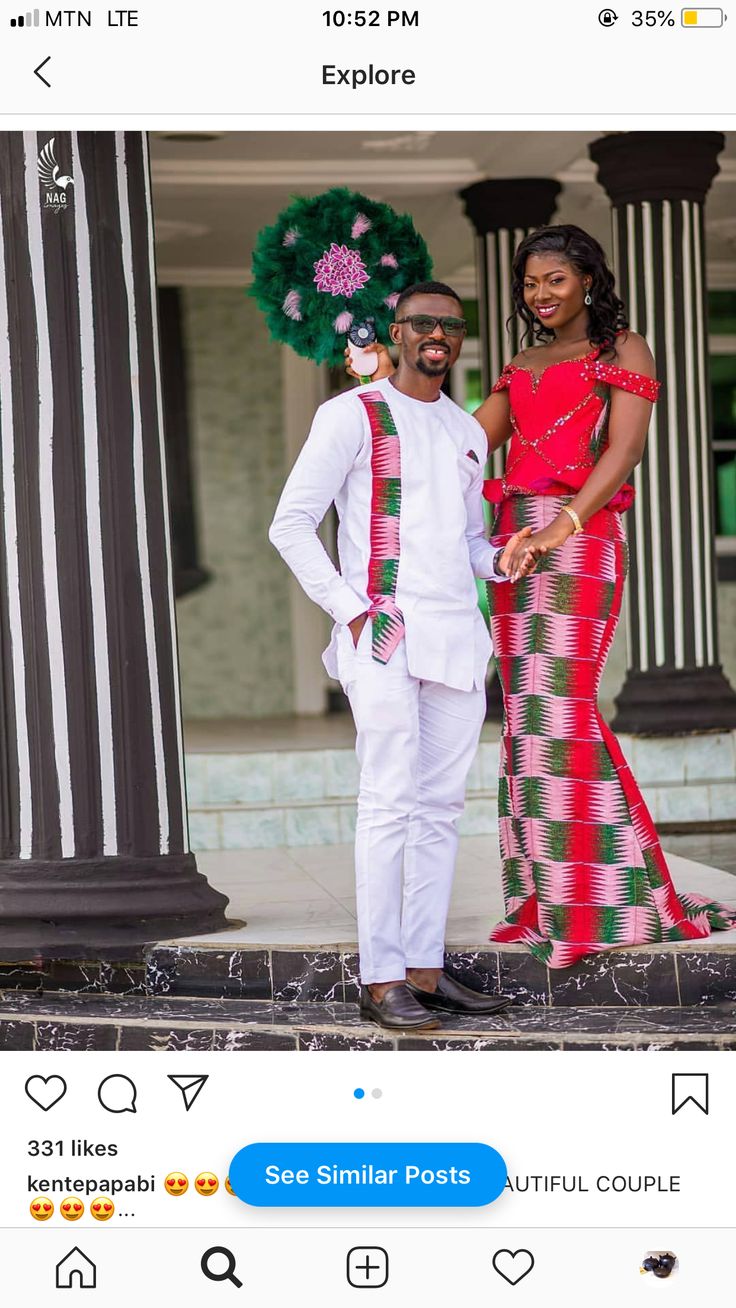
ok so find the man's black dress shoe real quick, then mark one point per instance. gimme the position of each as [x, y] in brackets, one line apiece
[398, 1010]
[452, 997]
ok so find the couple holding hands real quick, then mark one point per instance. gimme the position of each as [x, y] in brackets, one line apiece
[583, 869]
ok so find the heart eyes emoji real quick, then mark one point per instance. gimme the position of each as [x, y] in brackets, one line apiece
[102, 1209]
[42, 1209]
[176, 1183]
[71, 1209]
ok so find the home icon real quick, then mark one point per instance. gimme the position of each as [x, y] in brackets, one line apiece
[76, 1270]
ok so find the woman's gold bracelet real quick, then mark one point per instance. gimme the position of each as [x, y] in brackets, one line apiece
[577, 524]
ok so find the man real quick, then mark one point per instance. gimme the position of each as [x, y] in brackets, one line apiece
[404, 467]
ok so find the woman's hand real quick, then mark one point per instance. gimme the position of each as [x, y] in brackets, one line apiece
[514, 542]
[385, 363]
[527, 552]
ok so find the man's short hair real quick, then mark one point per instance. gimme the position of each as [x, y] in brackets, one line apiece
[426, 288]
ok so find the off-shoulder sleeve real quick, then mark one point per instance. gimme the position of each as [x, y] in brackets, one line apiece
[504, 380]
[635, 382]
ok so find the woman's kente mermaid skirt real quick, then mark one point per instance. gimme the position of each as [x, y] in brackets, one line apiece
[583, 869]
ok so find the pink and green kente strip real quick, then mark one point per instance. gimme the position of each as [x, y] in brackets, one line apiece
[383, 566]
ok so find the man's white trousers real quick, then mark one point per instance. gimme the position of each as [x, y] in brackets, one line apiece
[416, 741]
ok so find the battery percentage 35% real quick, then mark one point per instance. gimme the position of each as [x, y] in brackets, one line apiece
[652, 18]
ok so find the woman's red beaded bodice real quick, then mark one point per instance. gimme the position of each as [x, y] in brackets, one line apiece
[560, 425]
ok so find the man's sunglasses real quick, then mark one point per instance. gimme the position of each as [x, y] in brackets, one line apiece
[424, 326]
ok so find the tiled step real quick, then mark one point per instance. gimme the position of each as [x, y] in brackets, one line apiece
[93, 1022]
[301, 797]
[675, 976]
[681, 976]
[307, 797]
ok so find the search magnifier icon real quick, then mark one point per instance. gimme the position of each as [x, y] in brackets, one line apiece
[220, 1272]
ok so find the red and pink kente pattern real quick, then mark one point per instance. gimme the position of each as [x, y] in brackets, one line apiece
[583, 869]
[383, 566]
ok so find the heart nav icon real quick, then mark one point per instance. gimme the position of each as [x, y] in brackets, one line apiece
[513, 1267]
[45, 1091]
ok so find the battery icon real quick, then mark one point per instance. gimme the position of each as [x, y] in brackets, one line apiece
[702, 18]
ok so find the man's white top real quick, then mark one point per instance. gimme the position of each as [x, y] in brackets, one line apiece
[442, 536]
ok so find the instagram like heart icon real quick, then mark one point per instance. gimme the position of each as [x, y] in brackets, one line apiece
[45, 1091]
[513, 1267]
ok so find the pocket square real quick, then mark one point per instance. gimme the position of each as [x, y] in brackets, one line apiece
[471, 454]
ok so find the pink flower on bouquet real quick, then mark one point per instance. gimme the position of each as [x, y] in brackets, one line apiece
[340, 271]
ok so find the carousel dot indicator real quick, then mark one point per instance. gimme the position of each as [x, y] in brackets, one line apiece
[359, 1094]
[376, 1094]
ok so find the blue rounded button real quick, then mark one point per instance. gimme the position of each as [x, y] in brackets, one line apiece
[367, 1175]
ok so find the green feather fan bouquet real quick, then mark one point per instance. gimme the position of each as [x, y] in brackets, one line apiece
[331, 262]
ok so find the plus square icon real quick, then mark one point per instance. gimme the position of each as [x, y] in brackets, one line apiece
[367, 1268]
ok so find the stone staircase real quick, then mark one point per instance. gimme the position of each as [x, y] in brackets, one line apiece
[263, 799]
[192, 997]
[231, 995]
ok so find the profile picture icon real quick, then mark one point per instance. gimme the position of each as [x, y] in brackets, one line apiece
[660, 1262]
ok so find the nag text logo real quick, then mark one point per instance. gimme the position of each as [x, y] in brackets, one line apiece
[53, 179]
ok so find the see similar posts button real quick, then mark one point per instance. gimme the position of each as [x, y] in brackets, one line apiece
[368, 1175]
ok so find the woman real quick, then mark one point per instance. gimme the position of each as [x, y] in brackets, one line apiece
[583, 870]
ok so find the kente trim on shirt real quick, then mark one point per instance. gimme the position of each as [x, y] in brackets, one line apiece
[383, 565]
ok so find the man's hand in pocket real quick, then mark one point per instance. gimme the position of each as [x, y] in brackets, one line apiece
[356, 626]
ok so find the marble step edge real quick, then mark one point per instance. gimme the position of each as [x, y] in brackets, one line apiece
[322, 822]
[282, 776]
[477, 792]
[339, 801]
[677, 975]
[682, 976]
[248, 801]
[57, 1030]
[331, 820]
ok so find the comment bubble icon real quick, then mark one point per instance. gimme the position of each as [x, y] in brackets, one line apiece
[117, 1094]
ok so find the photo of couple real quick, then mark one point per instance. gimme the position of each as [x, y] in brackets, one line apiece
[368, 590]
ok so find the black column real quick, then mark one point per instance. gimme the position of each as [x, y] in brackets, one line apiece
[657, 183]
[503, 212]
[94, 854]
[189, 574]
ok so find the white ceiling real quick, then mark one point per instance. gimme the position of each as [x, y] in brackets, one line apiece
[213, 194]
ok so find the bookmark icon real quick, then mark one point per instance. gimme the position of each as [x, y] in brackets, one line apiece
[690, 1088]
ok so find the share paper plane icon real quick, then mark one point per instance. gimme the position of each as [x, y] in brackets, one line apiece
[190, 1087]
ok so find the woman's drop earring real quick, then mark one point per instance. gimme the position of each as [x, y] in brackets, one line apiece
[588, 298]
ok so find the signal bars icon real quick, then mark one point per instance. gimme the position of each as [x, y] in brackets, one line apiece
[27, 20]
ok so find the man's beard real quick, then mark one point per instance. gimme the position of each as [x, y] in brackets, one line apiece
[433, 369]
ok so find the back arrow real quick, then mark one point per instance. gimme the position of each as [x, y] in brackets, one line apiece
[39, 74]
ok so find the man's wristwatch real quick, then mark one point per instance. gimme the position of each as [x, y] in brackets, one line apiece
[498, 571]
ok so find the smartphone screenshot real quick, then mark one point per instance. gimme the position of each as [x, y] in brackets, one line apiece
[367, 653]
